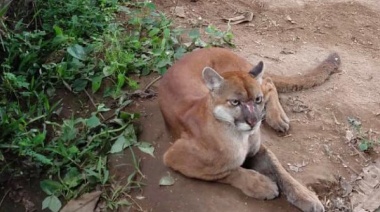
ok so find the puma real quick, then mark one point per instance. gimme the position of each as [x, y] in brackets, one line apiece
[213, 103]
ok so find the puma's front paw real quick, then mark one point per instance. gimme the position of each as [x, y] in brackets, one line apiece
[277, 118]
[306, 200]
[262, 188]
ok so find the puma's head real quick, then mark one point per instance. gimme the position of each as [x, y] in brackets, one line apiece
[236, 96]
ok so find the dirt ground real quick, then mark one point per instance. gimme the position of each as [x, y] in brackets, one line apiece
[290, 36]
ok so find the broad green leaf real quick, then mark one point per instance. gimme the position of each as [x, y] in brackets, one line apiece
[73, 150]
[1, 156]
[39, 139]
[69, 130]
[130, 134]
[120, 80]
[52, 203]
[40, 158]
[77, 51]
[93, 122]
[72, 178]
[79, 85]
[163, 62]
[133, 84]
[166, 180]
[102, 108]
[4, 8]
[150, 5]
[108, 71]
[96, 82]
[153, 32]
[106, 175]
[166, 33]
[58, 30]
[194, 34]
[179, 53]
[199, 42]
[146, 147]
[129, 116]
[50, 187]
[363, 146]
[120, 144]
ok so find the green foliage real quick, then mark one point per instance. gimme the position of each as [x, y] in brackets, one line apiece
[215, 37]
[52, 203]
[78, 45]
[365, 141]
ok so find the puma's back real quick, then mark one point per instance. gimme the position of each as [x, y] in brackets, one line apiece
[183, 84]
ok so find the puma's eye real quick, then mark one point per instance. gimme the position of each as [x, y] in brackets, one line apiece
[258, 99]
[234, 102]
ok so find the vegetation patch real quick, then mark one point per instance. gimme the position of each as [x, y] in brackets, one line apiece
[365, 141]
[78, 45]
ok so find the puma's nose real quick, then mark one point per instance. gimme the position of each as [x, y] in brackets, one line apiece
[251, 121]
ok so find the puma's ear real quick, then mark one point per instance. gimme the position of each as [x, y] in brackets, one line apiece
[212, 79]
[258, 71]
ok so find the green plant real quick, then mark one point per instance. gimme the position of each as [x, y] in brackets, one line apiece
[215, 37]
[75, 46]
[364, 140]
[77, 151]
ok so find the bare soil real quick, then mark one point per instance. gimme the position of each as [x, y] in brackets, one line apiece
[290, 36]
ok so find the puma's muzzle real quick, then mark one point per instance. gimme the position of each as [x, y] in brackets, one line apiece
[250, 113]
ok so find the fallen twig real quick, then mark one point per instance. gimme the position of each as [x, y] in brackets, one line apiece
[67, 86]
[93, 103]
[335, 120]
[288, 135]
[151, 83]
[5, 195]
[345, 165]
[269, 57]
[359, 153]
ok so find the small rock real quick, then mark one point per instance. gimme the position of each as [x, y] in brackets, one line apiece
[288, 18]
[297, 167]
[287, 51]
[349, 135]
[180, 12]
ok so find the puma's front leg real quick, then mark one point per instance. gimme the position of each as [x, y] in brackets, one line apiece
[192, 161]
[275, 115]
[267, 163]
[252, 183]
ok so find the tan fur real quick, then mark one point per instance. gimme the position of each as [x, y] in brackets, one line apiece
[276, 117]
[208, 145]
[313, 78]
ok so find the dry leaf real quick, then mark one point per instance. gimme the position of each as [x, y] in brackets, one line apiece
[86, 203]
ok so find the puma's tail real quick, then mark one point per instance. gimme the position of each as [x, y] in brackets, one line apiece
[313, 77]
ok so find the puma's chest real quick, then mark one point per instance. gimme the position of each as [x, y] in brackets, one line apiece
[237, 148]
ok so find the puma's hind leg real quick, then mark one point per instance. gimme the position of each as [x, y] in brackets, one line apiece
[267, 163]
[192, 161]
[275, 115]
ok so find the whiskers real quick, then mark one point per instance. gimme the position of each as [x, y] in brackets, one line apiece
[263, 114]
